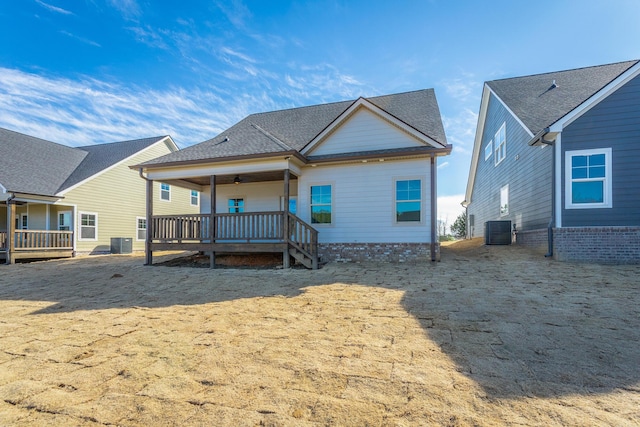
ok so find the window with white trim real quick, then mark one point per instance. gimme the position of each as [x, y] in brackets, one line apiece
[141, 228]
[195, 198]
[236, 205]
[588, 182]
[504, 200]
[408, 200]
[321, 204]
[88, 226]
[165, 192]
[500, 144]
[24, 221]
[64, 220]
[488, 150]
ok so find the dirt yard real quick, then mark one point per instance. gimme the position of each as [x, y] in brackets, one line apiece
[489, 336]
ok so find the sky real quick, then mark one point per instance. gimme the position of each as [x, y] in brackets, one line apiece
[81, 72]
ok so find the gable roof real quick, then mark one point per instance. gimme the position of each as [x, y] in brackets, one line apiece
[542, 100]
[36, 166]
[538, 103]
[289, 131]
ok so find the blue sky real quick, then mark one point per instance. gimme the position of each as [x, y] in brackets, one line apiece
[82, 72]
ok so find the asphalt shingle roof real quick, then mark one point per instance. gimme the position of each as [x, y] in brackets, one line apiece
[538, 104]
[36, 166]
[292, 129]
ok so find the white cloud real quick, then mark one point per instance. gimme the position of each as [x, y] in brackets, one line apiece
[443, 165]
[461, 130]
[54, 8]
[81, 39]
[449, 208]
[128, 8]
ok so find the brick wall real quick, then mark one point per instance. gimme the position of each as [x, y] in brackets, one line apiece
[607, 245]
[394, 252]
[534, 239]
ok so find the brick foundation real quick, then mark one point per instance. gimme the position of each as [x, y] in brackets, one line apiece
[533, 239]
[389, 252]
[606, 245]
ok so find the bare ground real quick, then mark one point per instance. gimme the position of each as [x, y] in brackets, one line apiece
[489, 336]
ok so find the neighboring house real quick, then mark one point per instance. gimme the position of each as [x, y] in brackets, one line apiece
[352, 180]
[557, 154]
[57, 200]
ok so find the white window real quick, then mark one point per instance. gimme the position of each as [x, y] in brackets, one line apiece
[504, 200]
[236, 205]
[165, 191]
[88, 226]
[321, 204]
[588, 182]
[500, 144]
[141, 228]
[408, 200]
[488, 150]
[195, 197]
[24, 221]
[64, 220]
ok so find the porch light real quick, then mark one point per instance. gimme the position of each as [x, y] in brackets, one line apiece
[236, 180]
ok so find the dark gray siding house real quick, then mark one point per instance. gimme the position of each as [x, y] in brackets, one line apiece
[557, 155]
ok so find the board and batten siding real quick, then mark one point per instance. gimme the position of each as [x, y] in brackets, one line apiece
[613, 123]
[118, 197]
[365, 131]
[363, 201]
[258, 196]
[527, 170]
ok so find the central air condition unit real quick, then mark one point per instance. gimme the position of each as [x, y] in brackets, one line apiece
[121, 245]
[497, 233]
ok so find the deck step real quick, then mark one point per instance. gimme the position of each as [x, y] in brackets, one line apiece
[301, 258]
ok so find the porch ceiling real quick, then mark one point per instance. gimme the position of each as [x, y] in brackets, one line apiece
[245, 178]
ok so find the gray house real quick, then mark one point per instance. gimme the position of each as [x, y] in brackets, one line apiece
[557, 155]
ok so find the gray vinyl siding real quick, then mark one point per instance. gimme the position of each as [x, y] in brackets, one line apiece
[614, 123]
[527, 170]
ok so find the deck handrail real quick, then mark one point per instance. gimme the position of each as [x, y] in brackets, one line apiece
[26, 240]
[241, 226]
[302, 237]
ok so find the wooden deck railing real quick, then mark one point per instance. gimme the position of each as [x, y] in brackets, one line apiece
[245, 227]
[26, 240]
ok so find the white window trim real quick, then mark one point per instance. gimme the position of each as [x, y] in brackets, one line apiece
[422, 201]
[504, 190]
[169, 191]
[488, 148]
[608, 182]
[496, 149]
[23, 217]
[138, 229]
[197, 198]
[333, 204]
[70, 219]
[80, 238]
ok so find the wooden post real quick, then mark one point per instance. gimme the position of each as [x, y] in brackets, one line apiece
[212, 220]
[11, 231]
[434, 202]
[285, 224]
[147, 244]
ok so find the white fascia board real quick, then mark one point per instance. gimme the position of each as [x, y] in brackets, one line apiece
[595, 99]
[164, 139]
[477, 143]
[2, 187]
[230, 168]
[363, 103]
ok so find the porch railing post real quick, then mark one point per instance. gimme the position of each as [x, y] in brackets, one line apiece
[147, 243]
[285, 220]
[212, 220]
[11, 231]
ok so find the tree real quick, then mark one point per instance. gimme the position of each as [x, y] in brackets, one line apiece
[459, 227]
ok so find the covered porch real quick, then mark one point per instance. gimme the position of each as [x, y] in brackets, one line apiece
[231, 222]
[20, 240]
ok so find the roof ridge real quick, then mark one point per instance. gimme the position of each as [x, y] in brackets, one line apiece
[634, 61]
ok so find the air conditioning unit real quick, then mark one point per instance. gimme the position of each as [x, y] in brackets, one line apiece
[497, 233]
[121, 245]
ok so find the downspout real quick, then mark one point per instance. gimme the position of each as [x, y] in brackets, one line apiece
[10, 230]
[553, 205]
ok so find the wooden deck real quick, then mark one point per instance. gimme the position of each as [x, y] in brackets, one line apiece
[236, 232]
[36, 244]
